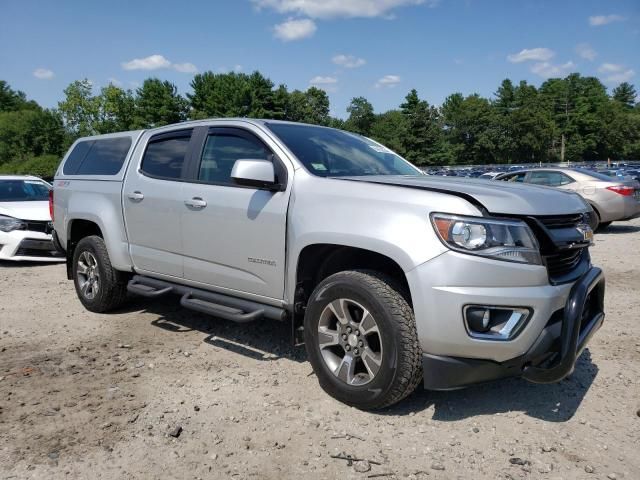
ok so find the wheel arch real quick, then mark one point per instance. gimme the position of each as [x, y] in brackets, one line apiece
[319, 260]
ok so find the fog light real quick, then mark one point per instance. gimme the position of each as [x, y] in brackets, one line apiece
[494, 323]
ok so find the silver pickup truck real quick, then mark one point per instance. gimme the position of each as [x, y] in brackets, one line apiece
[389, 277]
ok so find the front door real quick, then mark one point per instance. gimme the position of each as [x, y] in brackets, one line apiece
[234, 236]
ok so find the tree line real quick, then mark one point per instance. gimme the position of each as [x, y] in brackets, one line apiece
[565, 119]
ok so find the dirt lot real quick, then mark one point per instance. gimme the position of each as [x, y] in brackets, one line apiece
[97, 396]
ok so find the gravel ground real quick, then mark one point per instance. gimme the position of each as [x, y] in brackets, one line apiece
[155, 391]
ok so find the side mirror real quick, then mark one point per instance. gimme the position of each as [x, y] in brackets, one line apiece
[255, 173]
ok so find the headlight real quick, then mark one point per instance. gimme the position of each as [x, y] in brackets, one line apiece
[508, 240]
[9, 224]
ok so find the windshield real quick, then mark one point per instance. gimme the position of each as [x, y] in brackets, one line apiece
[23, 191]
[328, 152]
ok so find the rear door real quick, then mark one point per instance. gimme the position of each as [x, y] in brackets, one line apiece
[153, 203]
[234, 236]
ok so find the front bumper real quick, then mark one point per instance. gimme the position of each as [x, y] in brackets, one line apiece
[551, 357]
[26, 245]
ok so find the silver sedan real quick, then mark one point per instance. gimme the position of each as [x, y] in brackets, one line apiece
[612, 199]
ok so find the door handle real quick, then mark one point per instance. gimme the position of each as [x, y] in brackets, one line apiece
[195, 202]
[136, 196]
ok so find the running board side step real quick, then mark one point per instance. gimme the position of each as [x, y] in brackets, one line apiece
[220, 311]
[145, 290]
[222, 306]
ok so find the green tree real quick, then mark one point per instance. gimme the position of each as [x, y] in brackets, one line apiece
[80, 109]
[29, 133]
[12, 100]
[574, 103]
[311, 106]
[423, 136]
[158, 103]
[236, 95]
[116, 110]
[361, 116]
[625, 93]
[472, 129]
[390, 129]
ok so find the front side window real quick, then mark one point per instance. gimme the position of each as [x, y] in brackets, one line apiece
[23, 191]
[222, 150]
[328, 152]
[165, 155]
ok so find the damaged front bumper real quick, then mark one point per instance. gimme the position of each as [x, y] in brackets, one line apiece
[551, 357]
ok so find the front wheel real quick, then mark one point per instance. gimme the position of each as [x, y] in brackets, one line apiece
[99, 286]
[361, 340]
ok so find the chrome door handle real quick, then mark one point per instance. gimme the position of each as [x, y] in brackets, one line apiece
[195, 202]
[136, 196]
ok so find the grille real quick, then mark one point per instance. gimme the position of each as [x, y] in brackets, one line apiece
[569, 221]
[562, 221]
[42, 226]
[562, 263]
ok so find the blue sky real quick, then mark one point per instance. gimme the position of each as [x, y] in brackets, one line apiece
[376, 48]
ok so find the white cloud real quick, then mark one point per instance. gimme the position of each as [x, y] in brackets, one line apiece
[152, 62]
[185, 67]
[237, 68]
[388, 81]
[598, 20]
[348, 61]
[616, 73]
[43, 74]
[625, 76]
[548, 70]
[536, 54]
[114, 81]
[610, 68]
[585, 51]
[339, 8]
[157, 62]
[295, 29]
[319, 80]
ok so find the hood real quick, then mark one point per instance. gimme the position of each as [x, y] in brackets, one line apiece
[495, 196]
[38, 210]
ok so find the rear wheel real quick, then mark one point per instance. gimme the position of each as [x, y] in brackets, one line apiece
[603, 226]
[361, 339]
[99, 286]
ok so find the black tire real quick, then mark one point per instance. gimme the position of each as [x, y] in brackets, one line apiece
[603, 226]
[112, 290]
[400, 369]
[596, 223]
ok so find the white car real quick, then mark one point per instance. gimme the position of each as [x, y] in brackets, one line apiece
[25, 220]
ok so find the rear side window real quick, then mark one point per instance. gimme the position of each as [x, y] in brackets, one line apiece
[98, 157]
[165, 155]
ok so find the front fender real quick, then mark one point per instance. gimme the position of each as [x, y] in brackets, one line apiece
[387, 220]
